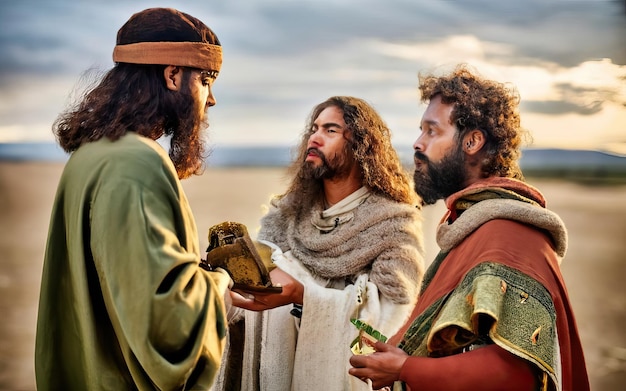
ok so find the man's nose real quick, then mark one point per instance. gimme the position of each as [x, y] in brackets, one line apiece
[315, 137]
[418, 145]
[211, 99]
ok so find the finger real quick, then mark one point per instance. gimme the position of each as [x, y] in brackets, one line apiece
[357, 361]
[250, 302]
[241, 300]
[241, 295]
[382, 346]
[261, 299]
[357, 372]
[255, 293]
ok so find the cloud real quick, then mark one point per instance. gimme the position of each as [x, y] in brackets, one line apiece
[583, 89]
[282, 57]
[562, 107]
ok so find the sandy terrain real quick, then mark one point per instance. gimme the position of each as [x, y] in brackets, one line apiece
[594, 267]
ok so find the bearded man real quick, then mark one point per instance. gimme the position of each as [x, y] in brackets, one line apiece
[348, 245]
[124, 304]
[493, 312]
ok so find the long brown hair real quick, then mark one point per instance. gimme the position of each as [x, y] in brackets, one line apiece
[134, 97]
[370, 142]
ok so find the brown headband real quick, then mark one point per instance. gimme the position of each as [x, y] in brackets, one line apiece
[200, 55]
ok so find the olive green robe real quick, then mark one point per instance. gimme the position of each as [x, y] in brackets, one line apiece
[123, 303]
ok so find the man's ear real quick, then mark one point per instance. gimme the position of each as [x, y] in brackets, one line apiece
[473, 141]
[173, 76]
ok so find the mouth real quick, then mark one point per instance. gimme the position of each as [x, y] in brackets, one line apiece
[419, 159]
[312, 153]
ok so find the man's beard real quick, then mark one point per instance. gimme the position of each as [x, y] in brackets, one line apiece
[435, 181]
[187, 145]
[337, 166]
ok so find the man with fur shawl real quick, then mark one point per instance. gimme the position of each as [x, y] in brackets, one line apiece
[493, 312]
[348, 245]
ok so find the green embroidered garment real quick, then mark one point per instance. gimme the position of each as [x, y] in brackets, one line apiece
[493, 301]
[497, 280]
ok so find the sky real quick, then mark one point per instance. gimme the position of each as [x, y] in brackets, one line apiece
[567, 58]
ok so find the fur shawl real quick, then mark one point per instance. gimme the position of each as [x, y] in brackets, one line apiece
[498, 198]
[382, 238]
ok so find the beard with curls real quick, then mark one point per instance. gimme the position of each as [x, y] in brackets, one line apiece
[435, 181]
[186, 128]
[338, 166]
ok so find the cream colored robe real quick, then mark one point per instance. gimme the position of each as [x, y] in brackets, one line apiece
[312, 353]
[374, 253]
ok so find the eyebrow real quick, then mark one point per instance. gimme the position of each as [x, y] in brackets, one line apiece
[431, 122]
[328, 125]
[331, 124]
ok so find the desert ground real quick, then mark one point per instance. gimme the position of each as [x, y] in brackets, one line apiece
[594, 267]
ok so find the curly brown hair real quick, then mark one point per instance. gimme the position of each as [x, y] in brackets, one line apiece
[369, 139]
[134, 97]
[486, 105]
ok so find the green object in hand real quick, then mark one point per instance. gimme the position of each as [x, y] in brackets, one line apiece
[369, 330]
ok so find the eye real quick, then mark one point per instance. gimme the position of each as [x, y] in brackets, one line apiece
[428, 130]
[208, 77]
[209, 74]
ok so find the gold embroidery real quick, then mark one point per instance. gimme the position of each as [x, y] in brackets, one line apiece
[524, 297]
[535, 336]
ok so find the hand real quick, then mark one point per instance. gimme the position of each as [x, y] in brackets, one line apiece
[381, 367]
[293, 292]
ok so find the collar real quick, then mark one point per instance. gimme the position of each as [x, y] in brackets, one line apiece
[341, 212]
